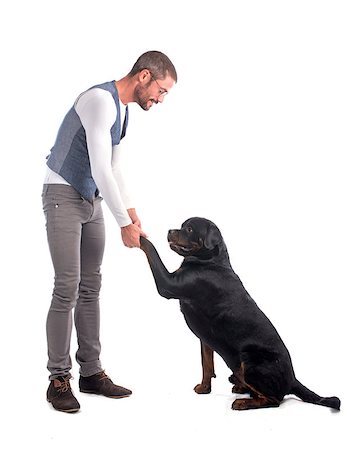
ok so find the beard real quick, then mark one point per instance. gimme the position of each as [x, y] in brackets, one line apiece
[142, 97]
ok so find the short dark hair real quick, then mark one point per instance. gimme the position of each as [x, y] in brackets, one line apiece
[157, 62]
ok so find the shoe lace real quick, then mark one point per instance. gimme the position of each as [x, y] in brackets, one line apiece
[64, 386]
[103, 376]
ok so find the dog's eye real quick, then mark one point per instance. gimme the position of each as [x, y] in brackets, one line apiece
[189, 230]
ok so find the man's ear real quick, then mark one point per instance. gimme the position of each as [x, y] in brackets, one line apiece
[213, 237]
[144, 75]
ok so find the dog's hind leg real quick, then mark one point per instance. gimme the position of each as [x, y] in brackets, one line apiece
[257, 400]
[238, 387]
[207, 370]
[254, 403]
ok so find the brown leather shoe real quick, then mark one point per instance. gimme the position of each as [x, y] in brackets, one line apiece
[101, 384]
[60, 395]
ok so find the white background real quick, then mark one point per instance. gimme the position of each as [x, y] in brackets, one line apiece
[255, 136]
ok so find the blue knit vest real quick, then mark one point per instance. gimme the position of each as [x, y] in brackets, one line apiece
[69, 156]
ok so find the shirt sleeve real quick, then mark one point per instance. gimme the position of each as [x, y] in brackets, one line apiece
[119, 169]
[97, 112]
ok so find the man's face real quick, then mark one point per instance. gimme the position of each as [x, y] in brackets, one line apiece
[151, 90]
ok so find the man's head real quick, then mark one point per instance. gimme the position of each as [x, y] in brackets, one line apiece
[155, 75]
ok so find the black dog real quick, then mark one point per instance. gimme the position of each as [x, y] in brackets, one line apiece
[221, 313]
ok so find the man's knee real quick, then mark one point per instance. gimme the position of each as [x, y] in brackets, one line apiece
[65, 295]
[89, 287]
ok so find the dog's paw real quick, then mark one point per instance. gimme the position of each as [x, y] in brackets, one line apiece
[240, 389]
[202, 389]
[241, 404]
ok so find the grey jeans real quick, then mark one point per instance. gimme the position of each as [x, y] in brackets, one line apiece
[76, 236]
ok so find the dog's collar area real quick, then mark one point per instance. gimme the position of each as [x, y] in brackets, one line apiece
[208, 253]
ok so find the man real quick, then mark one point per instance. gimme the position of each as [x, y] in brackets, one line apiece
[83, 164]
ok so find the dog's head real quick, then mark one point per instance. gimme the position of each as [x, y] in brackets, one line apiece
[197, 237]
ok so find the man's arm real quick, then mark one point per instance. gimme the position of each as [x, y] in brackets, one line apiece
[97, 112]
[129, 234]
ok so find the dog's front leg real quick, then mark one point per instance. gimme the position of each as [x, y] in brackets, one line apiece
[167, 284]
[207, 370]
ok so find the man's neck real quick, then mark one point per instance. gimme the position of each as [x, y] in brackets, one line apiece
[125, 87]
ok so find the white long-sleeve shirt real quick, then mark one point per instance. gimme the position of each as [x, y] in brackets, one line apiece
[97, 112]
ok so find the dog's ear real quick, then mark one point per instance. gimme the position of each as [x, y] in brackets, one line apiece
[213, 237]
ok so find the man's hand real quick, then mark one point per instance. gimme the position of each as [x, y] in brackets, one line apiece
[131, 235]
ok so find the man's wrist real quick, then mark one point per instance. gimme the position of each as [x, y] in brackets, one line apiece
[126, 227]
[132, 214]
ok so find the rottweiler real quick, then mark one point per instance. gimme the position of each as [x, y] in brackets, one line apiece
[220, 312]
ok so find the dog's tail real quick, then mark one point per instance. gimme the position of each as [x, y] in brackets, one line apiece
[306, 395]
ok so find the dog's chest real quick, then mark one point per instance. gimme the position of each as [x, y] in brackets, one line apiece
[199, 319]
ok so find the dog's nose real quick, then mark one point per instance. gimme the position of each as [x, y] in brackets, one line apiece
[172, 234]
